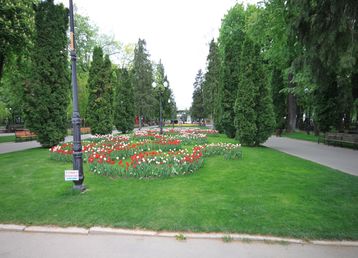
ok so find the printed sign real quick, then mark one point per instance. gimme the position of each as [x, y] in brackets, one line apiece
[71, 175]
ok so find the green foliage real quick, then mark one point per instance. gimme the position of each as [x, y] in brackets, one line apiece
[231, 38]
[4, 113]
[211, 86]
[16, 30]
[278, 97]
[86, 35]
[327, 31]
[165, 93]
[227, 239]
[254, 118]
[46, 97]
[180, 237]
[17, 74]
[124, 104]
[142, 82]
[197, 107]
[99, 109]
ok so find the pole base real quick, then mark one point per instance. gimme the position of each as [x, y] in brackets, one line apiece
[80, 188]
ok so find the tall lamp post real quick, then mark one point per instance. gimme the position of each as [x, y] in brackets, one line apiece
[76, 120]
[161, 90]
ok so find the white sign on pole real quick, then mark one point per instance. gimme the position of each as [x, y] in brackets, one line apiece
[71, 175]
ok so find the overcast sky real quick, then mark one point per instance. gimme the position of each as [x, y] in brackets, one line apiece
[176, 31]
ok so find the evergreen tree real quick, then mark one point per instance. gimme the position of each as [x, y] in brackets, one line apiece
[124, 102]
[231, 38]
[142, 83]
[327, 31]
[254, 118]
[99, 109]
[212, 84]
[197, 107]
[46, 97]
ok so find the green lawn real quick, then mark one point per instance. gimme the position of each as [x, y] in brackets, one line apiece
[301, 136]
[9, 138]
[267, 192]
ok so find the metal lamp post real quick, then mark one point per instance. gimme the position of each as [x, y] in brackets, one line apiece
[76, 120]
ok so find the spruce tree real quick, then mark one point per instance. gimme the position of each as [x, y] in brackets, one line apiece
[254, 119]
[327, 31]
[46, 97]
[99, 109]
[197, 107]
[142, 82]
[211, 86]
[124, 102]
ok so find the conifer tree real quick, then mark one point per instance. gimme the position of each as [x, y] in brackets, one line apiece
[211, 86]
[142, 82]
[46, 97]
[124, 105]
[100, 100]
[254, 117]
[197, 107]
[231, 38]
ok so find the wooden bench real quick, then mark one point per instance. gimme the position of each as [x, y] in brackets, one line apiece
[24, 135]
[83, 130]
[340, 139]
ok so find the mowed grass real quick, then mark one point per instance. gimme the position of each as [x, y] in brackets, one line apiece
[267, 192]
[8, 138]
[299, 135]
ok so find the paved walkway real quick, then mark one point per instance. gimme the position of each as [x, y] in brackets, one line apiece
[52, 245]
[17, 146]
[343, 159]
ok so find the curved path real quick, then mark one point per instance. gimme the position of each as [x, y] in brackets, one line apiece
[343, 159]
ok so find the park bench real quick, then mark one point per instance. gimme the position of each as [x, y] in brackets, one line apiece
[24, 135]
[341, 139]
[83, 130]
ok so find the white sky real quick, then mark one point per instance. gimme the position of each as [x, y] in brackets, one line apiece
[176, 31]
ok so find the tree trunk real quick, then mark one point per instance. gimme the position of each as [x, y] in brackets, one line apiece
[291, 107]
[140, 122]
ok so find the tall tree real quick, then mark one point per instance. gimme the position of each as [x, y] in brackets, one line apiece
[86, 39]
[231, 38]
[328, 32]
[254, 119]
[211, 86]
[124, 102]
[142, 82]
[99, 109]
[46, 97]
[17, 24]
[197, 107]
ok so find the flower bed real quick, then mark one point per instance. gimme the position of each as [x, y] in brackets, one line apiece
[147, 154]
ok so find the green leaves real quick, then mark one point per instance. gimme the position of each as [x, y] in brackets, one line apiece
[46, 96]
[124, 102]
[99, 109]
